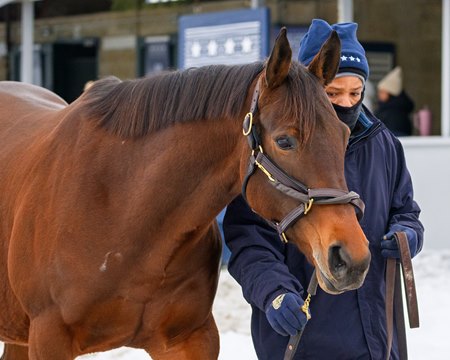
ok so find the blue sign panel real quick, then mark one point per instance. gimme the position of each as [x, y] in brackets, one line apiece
[230, 37]
[295, 34]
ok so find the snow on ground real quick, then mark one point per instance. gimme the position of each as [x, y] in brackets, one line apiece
[431, 341]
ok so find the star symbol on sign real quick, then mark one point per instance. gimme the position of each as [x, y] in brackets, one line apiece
[352, 58]
[196, 49]
[212, 48]
[229, 46]
[246, 44]
[343, 58]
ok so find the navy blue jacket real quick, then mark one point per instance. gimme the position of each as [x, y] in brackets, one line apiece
[347, 326]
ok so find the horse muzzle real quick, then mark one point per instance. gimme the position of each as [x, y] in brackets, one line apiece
[343, 273]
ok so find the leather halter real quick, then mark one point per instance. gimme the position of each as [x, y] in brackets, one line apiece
[284, 182]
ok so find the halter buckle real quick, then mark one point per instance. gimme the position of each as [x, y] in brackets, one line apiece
[308, 205]
[265, 171]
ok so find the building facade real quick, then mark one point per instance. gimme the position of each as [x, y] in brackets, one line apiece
[72, 50]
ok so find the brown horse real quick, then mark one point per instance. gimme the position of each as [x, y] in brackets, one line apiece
[107, 204]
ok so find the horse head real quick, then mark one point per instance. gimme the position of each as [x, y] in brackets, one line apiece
[296, 174]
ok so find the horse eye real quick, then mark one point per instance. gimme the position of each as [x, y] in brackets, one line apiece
[286, 142]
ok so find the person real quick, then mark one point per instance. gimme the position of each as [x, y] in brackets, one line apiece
[351, 325]
[395, 107]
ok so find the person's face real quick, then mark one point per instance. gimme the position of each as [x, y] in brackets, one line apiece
[345, 91]
[383, 95]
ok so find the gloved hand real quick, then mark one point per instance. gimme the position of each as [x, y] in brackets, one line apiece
[389, 246]
[285, 315]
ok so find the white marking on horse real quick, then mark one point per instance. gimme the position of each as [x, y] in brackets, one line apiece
[104, 266]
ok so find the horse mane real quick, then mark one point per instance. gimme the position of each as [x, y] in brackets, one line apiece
[135, 108]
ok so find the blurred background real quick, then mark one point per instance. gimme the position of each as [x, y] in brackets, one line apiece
[63, 44]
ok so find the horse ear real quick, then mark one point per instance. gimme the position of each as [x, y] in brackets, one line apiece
[279, 61]
[326, 63]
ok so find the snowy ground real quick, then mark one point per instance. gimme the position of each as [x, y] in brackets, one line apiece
[431, 341]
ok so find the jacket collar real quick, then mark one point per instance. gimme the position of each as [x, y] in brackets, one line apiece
[366, 125]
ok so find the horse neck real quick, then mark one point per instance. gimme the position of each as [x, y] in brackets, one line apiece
[199, 167]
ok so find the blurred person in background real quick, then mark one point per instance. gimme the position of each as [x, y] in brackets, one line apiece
[395, 107]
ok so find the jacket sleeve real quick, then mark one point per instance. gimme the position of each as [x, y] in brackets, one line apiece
[257, 259]
[404, 210]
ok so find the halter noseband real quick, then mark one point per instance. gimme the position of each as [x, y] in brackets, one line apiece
[287, 184]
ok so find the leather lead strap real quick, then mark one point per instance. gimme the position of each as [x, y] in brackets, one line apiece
[295, 340]
[400, 316]
[391, 267]
[394, 301]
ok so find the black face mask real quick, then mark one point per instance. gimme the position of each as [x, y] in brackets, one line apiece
[349, 115]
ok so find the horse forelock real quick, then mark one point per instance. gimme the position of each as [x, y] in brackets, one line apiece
[134, 108]
[305, 101]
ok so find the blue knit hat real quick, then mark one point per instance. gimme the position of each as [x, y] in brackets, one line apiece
[353, 56]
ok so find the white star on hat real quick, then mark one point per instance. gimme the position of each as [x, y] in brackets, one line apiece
[344, 58]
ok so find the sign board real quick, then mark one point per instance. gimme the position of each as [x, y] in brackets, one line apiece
[230, 37]
[156, 54]
[381, 58]
[295, 34]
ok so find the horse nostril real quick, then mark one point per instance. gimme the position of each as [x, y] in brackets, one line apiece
[337, 263]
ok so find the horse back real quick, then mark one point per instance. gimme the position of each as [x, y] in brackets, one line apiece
[25, 108]
[27, 114]
[13, 94]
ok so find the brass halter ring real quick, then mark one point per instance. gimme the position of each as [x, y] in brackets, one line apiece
[250, 125]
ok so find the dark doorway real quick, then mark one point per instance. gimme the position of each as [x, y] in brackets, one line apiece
[74, 64]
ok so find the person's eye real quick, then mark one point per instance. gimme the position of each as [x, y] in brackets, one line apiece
[331, 95]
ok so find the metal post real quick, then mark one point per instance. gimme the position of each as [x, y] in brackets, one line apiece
[256, 3]
[26, 64]
[27, 22]
[345, 10]
[445, 66]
